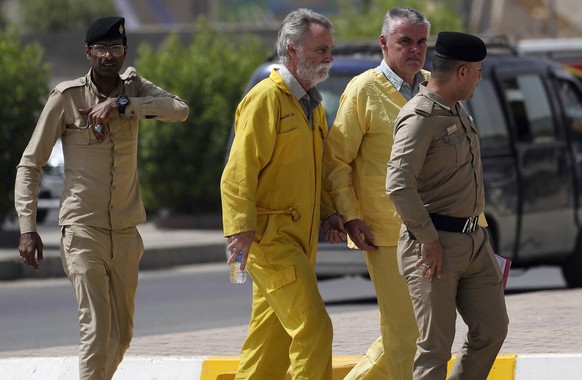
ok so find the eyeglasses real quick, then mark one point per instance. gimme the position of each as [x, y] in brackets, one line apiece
[101, 50]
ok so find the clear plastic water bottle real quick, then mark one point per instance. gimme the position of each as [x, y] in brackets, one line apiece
[237, 275]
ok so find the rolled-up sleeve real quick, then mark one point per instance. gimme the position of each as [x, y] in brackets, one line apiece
[153, 102]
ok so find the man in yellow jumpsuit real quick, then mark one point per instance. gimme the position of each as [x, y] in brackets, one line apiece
[97, 119]
[271, 189]
[357, 151]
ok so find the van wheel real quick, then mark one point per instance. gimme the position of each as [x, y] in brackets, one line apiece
[572, 267]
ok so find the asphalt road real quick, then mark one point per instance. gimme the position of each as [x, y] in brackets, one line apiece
[42, 313]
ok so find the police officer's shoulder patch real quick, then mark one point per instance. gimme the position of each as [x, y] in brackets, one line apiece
[79, 82]
[424, 107]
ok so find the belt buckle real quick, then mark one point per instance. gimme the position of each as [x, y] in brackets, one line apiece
[470, 224]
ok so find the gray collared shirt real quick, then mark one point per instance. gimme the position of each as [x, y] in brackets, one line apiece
[309, 100]
[403, 87]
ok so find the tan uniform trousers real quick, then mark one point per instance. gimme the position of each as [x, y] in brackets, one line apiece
[391, 356]
[102, 266]
[290, 328]
[470, 283]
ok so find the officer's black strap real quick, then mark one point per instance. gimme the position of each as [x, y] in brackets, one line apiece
[451, 224]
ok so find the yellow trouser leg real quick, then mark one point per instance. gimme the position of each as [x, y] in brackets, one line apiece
[290, 327]
[391, 356]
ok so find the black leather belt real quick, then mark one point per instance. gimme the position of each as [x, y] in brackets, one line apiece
[452, 224]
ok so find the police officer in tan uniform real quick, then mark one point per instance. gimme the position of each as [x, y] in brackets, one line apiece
[356, 152]
[96, 117]
[435, 181]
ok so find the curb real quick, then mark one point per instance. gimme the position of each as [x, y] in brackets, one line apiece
[506, 367]
[153, 259]
[132, 367]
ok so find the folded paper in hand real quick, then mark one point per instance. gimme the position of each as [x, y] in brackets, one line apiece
[504, 265]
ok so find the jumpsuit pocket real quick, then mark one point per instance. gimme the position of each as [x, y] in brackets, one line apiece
[280, 279]
[288, 148]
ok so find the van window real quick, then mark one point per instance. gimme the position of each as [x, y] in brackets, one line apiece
[571, 98]
[488, 115]
[532, 114]
[331, 90]
[572, 101]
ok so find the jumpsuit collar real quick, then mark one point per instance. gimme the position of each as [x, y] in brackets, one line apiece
[309, 100]
[399, 83]
[295, 88]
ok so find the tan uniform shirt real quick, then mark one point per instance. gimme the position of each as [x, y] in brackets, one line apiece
[101, 186]
[435, 166]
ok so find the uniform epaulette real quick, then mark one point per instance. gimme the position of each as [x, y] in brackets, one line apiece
[129, 73]
[424, 107]
[79, 82]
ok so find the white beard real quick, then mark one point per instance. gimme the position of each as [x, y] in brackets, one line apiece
[313, 73]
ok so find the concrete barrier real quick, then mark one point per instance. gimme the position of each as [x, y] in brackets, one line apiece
[506, 367]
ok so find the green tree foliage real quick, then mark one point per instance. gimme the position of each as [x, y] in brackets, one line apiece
[363, 20]
[181, 164]
[23, 91]
[62, 15]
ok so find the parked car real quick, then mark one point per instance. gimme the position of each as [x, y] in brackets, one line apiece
[529, 115]
[51, 183]
[567, 51]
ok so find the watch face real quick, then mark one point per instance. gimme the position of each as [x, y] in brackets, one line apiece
[122, 102]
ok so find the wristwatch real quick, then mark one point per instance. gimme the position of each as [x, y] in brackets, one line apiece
[122, 102]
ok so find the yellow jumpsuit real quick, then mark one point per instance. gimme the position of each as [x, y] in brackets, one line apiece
[357, 151]
[272, 185]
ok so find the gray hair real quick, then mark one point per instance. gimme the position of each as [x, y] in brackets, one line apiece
[396, 15]
[294, 27]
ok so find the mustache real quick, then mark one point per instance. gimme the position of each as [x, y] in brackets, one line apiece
[326, 66]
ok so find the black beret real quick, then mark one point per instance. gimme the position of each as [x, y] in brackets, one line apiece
[457, 46]
[105, 29]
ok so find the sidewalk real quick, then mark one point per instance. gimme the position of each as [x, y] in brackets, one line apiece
[163, 248]
[544, 340]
